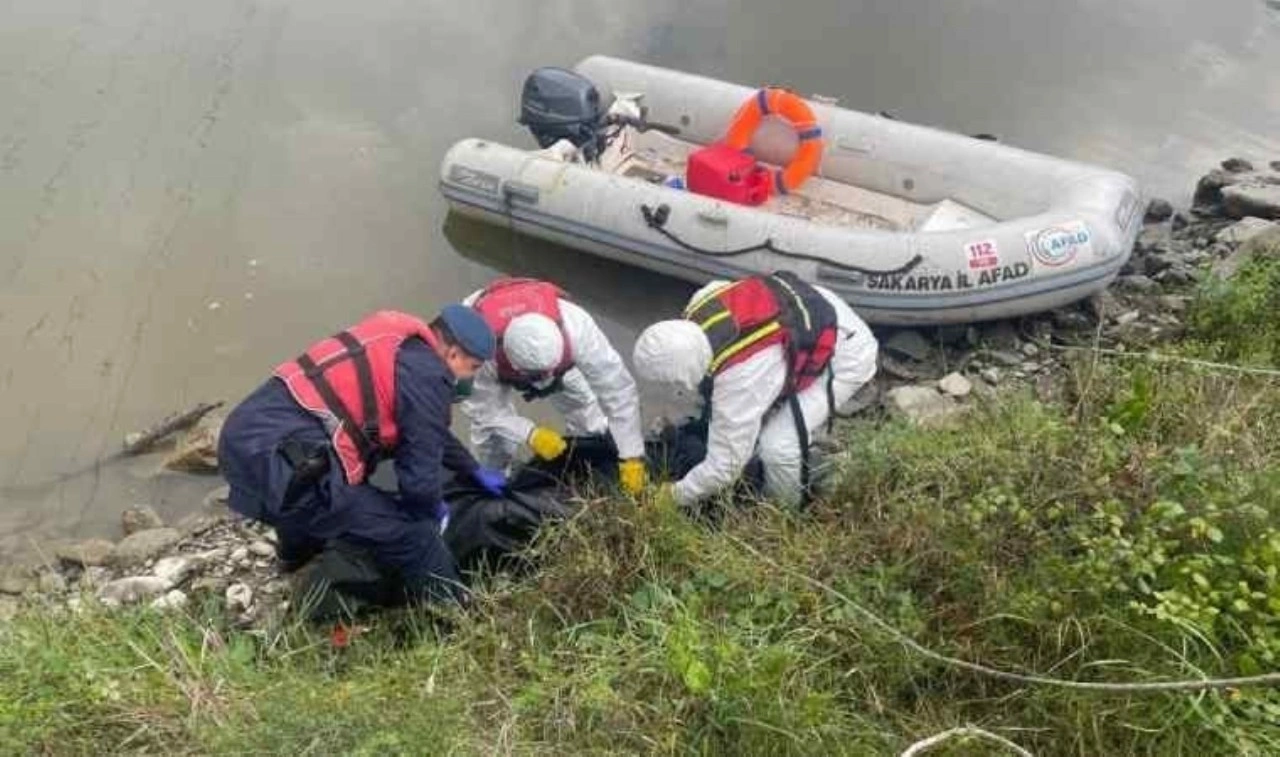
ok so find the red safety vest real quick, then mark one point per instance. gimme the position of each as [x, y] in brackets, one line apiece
[349, 382]
[755, 313]
[505, 299]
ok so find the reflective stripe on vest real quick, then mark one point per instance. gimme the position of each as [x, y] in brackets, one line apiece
[728, 353]
[747, 316]
[739, 319]
[348, 382]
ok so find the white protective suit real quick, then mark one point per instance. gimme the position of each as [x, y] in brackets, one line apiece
[743, 396]
[599, 395]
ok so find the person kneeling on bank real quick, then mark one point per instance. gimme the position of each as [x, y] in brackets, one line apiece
[549, 347]
[769, 358]
[299, 451]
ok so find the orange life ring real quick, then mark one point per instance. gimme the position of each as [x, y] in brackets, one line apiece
[793, 108]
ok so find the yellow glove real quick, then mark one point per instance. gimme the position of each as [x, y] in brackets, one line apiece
[546, 444]
[632, 476]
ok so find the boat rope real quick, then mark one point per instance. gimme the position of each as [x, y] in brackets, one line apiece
[1119, 687]
[656, 219]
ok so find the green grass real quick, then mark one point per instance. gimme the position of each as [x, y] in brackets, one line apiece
[1234, 319]
[1126, 534]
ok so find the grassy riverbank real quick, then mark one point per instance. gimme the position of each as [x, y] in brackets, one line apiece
[1126, 533]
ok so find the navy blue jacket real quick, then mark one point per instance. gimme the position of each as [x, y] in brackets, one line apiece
[424, 398]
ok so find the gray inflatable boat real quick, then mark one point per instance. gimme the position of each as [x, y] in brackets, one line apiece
[911, 225]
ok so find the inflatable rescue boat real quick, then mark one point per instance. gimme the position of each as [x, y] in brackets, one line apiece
[702, 179]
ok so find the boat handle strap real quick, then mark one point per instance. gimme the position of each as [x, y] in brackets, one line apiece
[656, 219]
[519, 190]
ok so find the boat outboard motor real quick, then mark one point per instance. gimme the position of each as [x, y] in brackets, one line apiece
[560, 104]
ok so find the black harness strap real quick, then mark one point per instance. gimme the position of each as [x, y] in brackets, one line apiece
[802, 436]
[364, 377]
[805, 314]
[315, 372]
[831, 398]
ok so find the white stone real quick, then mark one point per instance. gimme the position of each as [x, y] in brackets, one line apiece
[990, 375]
[174, 569]
[139, 547]
[922, 405]
[215, 554]
[240, 555]
[1252, 199]
[1124, 319]
[239, 597]
[262, 549]
[140, 518]
[1265, 245]
[125, 591]
[1029, 349]
[955, 385]
[174, 600]
[87, 552]
[1245, 229]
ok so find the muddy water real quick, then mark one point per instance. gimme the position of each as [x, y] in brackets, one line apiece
[191, 191]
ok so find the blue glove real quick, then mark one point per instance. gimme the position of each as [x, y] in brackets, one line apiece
[492, 481]
[441, 514]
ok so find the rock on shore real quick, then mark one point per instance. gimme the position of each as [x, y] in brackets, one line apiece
[217, 556]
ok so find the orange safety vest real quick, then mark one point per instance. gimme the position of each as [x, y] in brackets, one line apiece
[503, 301]
[348, 381]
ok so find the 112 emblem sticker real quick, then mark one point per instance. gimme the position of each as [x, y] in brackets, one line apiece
[1059, 245]
[982, 255]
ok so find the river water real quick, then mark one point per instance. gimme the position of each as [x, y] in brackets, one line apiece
[192, 191]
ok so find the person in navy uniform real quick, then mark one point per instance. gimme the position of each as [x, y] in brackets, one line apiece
[298, 452]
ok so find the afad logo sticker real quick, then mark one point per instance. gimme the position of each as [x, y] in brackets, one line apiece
[1059, 245]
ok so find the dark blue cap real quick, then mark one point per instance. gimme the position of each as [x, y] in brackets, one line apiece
[470, 331]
